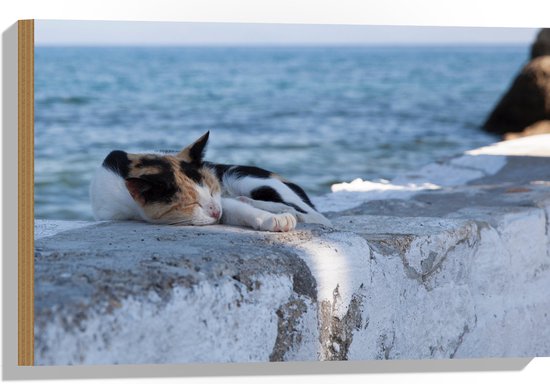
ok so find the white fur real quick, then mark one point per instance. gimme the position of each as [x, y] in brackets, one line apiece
[208, 204]
[110, 198]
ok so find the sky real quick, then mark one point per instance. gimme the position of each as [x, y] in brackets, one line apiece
[62, 32]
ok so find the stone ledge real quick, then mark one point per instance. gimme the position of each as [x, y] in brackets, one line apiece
[462, 271]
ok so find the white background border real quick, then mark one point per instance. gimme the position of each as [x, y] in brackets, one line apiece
[524, 13]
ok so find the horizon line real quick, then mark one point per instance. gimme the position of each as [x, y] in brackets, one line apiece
[282, 45]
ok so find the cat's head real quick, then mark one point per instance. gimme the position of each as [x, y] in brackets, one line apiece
[171, 188]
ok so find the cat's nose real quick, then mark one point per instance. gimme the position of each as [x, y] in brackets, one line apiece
[214, 211]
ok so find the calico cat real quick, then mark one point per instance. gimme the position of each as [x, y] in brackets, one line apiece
[181, 188]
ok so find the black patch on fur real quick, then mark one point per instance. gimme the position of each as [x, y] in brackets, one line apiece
[118, 162]
[238, 170]
[266, 194]
[219, 169]
[154, 162]
[190, 171]
[270, 194]
[243, 171]
[300, 192]
[157, 187]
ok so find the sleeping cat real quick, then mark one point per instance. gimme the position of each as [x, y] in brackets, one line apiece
[181, 188]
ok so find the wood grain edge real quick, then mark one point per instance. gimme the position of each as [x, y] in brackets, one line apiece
[25, 115]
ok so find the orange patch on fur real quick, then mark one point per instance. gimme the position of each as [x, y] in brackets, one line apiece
[210, 180]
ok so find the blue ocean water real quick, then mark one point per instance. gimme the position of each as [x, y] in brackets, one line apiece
[317, 115]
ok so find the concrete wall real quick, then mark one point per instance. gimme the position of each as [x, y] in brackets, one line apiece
[452, 261]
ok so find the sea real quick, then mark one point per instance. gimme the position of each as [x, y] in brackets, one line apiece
[318, 115]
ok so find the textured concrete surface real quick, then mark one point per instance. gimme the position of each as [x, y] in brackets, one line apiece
[459, 271]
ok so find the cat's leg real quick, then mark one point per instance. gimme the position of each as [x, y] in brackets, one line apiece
[242, 214]
[270, 206]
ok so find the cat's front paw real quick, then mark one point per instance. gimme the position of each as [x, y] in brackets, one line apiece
[284, 222]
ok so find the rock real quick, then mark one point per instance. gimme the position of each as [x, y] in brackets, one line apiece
[541, 46]
[526, 102]
[539, 128]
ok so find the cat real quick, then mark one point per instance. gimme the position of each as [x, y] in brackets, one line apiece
[183, 189]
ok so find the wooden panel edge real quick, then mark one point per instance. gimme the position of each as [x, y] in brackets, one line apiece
[25, 115]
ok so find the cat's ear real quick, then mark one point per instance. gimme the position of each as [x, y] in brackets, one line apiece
[195, 152]
[137, 188]
[117, 162]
